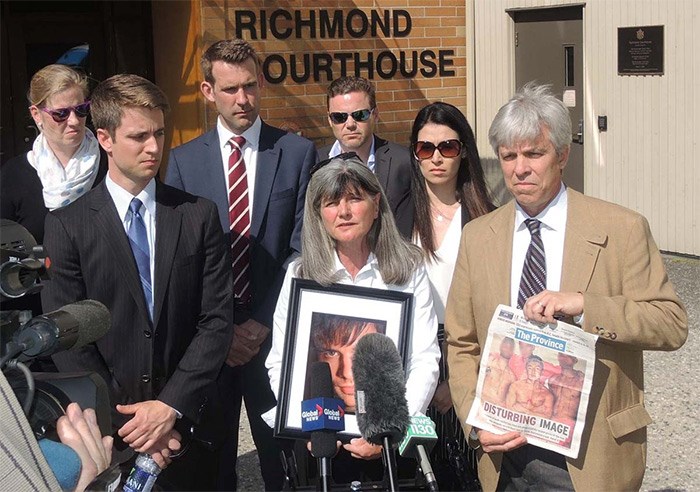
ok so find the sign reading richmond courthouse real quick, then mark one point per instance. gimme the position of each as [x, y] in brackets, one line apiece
[324, 24]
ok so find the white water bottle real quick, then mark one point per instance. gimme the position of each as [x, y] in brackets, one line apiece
[143, 475]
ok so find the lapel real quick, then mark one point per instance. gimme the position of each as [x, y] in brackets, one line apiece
[110, 224]
[582, 245]
[498, 253]
[168, 223]
[268, 162]
[212, 170]
[382, 162]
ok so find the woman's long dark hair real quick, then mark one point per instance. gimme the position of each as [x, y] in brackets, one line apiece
[471, 191]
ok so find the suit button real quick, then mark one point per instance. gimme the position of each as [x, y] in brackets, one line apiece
[613, 336]
[146, 378]
[147, 333]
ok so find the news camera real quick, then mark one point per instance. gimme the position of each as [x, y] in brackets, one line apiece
[24, 339]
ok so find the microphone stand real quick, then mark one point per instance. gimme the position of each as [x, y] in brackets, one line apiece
[324, 474]
[389, 456]
[428, 473]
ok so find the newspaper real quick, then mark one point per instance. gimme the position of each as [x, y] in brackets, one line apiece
[535, 379]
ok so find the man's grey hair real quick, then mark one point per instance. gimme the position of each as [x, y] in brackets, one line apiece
[397, 259]
[523, 118]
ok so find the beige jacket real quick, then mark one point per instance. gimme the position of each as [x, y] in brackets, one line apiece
[609, 256]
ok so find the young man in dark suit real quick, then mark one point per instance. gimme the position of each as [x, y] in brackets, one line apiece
[154, 256]
[257, 176]
[353, 116]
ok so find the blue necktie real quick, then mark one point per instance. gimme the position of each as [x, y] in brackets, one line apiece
[534, 278]
[138, 239]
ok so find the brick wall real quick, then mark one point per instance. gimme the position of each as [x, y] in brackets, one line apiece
[435, 25]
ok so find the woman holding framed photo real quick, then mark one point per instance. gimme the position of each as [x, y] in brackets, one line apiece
[350, 238]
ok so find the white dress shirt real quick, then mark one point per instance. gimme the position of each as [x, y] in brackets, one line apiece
[423, 370]
[122, 199]
[250, 154]
[552, 230]
[336, 150]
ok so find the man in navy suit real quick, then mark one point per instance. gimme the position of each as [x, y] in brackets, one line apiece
[154, 256]
[277, 166]
[353, 116]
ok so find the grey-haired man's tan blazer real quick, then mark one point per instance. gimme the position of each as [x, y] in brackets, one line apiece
[609, 256]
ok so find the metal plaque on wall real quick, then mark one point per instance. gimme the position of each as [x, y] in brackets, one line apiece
[640, 50]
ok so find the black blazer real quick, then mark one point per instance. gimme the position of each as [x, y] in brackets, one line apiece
[281, 178]
[21, 193]
[182, 351]
[21, 201]
[393, 169]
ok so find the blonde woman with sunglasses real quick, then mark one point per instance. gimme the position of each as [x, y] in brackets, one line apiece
[65, 160]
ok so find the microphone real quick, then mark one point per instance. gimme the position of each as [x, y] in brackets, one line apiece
[323, 416]
[63, 461]
[380, 394]
[72, 326]
[419, 441]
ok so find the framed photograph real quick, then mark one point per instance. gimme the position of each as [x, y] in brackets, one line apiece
[324, 324]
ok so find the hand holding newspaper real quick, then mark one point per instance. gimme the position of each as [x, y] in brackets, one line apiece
[535, 379]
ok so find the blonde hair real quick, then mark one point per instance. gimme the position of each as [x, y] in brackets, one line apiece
[112, 96]
[53, 79]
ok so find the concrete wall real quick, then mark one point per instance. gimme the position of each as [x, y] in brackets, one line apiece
[647, 159]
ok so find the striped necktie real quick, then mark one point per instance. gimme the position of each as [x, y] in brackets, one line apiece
[239, 218]
[138, 240]
[534, 278]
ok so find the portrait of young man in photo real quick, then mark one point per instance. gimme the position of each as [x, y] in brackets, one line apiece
[333, 340]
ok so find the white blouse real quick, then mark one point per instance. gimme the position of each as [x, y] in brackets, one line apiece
[440, 270]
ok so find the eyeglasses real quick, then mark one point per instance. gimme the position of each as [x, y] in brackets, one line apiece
[448, 148]
[343, 157]
[60, 115]
[360, 115]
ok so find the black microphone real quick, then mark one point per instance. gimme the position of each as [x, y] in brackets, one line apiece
[323, 440]
[380, 395]
[72, 326]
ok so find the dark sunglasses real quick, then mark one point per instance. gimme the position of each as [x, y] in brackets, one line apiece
[359, 115]
[60, 115]
[343, 157]
[448, 148]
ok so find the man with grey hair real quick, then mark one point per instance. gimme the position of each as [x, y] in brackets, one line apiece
[558, 254]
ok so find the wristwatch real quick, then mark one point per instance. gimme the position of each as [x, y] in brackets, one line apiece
[473, 440]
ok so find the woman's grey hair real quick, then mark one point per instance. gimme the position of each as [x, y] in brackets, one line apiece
[397, 258]
[523, 118]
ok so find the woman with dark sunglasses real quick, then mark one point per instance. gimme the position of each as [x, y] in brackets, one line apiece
[65, 160]
[448, 187]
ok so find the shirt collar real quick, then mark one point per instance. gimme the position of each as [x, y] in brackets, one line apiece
[251, 135]
[553, 216]
[335, 150]
[122, 198]
[371, 265]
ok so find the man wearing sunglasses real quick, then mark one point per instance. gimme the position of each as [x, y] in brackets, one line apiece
[558, 254]
[353, 116]
[262, 172]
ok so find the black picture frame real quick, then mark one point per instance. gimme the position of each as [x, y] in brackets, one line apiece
[392, 308]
